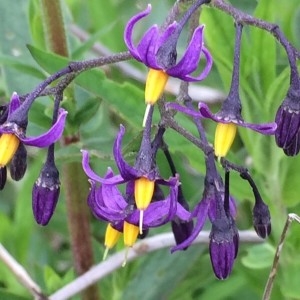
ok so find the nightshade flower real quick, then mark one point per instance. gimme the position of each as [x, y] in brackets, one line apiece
[229, 115]
[287, 135]
[13, 131]
[142, 177]
[108, 204]
[157, 50]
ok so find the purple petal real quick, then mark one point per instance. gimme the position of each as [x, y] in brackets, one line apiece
[112, 197]
[14, 103]
[117, 179]
[201, 217]
[265, 128]
[190, 59]
[155, 44]
[205, 71]
[129, 29]
[126, 171]
[49, 137]
[145, 46]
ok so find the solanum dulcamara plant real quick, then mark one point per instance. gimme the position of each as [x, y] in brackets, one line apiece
[137, 197]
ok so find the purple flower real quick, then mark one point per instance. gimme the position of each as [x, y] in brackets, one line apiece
[157, 50]
[207, 208]
[287, 135]
[107, 203]
[225, 116]
[141, 180]
[13, 131]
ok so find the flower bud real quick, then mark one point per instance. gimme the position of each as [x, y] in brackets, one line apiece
[3, 175]
[45, 193]
[18, 163]
[223, 246]
[261, 219]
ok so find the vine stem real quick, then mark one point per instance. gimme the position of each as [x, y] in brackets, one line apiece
[143, 247]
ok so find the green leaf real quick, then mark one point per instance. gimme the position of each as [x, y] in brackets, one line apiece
[87, 111]
[259, 256]
[6, 295]
[52, 279]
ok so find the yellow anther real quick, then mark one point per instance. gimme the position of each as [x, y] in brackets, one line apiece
[155, 85]
[224, 136]
[111, 237]
[9, 144]
[143, 193]
[130, 232]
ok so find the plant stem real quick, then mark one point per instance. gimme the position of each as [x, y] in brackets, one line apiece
[54, 27]
[74, 181]
[76, 189]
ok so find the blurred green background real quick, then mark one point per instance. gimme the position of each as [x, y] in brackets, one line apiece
[107, 97]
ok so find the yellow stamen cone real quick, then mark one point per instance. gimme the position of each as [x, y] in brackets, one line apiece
[111, 237]
[130, 233]
[224, 137]
[155, 85]
[9, 144]
[143, 193]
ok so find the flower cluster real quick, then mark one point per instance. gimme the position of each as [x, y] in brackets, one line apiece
[137, 198]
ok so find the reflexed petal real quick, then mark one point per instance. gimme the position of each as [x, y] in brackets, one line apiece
[129, 29]
[112, 197]
[202, 210]
[93, 176]
[49, 137]
[14, 104]
[156, 43]
[190, 59]
[204, 73]
[146, 44]
[126, 171]
[265, 128]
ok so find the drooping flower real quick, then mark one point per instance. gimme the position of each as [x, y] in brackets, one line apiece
[157, 50]
[229, 116]
[142, 176]
[13, 131]
[207, 208]
[287, 135]
[107, 203]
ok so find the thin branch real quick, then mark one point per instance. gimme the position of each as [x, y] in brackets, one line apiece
[143, 247]
[21, 274]
[269, 285]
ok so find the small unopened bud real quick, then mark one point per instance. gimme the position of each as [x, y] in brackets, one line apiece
[18, 163]
[3, 174]
[181, 230]
[45, 194]
[223, 246]
[261, 219]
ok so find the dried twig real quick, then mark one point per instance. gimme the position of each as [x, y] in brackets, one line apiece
[269, 285]
[21, 274]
